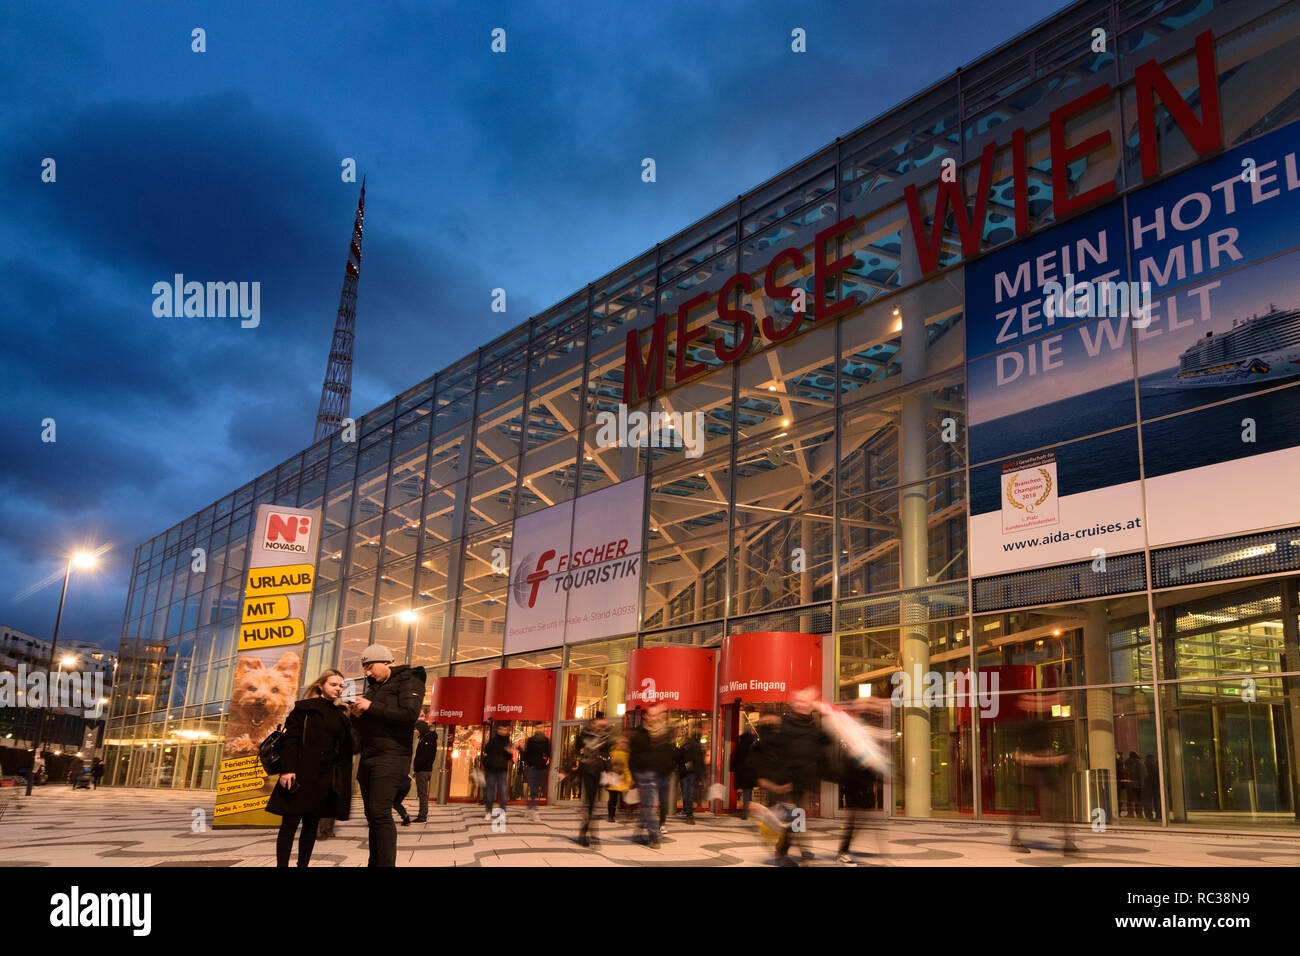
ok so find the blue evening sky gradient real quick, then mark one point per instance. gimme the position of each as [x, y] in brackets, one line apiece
[519, 170]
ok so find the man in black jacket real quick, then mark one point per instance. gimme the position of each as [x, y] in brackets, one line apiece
[425, 750]
[537, 761]
[385, 721]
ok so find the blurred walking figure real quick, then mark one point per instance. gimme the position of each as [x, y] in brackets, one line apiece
[742, 770]
[791, 769]
[1151, 786]
[690, 764]
[426, 748]
[1133, 771]
[1043, 771]
[863, 759]
[316, 768]
[620, 777]
[651, 758]
[593, 745]
[497, 758]
[537, 763]
[97, 772]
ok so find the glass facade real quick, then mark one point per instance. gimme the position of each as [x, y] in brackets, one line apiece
[845, 442]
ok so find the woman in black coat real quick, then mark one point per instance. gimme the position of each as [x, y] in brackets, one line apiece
[316, 761]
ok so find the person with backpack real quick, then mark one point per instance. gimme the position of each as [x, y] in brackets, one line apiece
[593, 746]
[385, 720]
[425, 750]
[315, 767]
[537, 763]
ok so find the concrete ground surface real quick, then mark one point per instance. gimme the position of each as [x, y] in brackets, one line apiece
[58, 826]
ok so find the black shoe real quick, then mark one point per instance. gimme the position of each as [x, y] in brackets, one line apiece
[1018, 847]
[584, 841]
[690, 821]
[406, 821]
[420, 820]
[1070, 847]
[744, 814]
[654, 843]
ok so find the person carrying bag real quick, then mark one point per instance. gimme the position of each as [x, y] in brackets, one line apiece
[315, 768]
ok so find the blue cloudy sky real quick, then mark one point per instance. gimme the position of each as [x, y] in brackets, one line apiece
[519, 170]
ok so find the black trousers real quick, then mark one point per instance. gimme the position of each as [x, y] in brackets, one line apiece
[306, 842]
[382, 781]
[590, 791]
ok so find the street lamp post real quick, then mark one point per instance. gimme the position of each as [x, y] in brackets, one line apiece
[82, 559]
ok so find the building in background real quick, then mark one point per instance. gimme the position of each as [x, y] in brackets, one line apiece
[22, 654]
[903, 460]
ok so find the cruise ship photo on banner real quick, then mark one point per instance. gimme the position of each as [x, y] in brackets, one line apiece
[1260, 348]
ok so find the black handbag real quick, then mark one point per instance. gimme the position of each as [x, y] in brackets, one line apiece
[271, 750]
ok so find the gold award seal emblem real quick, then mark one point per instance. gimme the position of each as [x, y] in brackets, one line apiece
[1028, 489]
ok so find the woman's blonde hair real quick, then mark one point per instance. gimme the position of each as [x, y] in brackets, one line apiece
[314, 689]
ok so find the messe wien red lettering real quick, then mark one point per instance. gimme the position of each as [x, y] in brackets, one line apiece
[643, 376]
[645, 372]
[1149, 80]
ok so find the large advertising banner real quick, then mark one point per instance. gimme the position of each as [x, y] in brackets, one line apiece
[576, 569]
[1039, 375]
[275, 607]
[1203, 336]
[1217, 245]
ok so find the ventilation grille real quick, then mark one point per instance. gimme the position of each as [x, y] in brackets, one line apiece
[1069, 582]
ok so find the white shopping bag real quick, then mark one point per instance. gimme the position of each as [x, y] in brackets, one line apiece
[717, 792]
[632, 797]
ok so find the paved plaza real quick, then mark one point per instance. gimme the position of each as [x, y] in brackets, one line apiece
[58, 826]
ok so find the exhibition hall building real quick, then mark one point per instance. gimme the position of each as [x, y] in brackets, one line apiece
[989, 412]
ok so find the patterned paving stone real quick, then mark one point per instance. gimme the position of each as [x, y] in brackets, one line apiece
[117, 827]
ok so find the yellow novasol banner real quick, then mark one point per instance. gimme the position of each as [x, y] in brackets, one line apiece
[271, 634]
[293, 579]
[273, 608]
[268, 658]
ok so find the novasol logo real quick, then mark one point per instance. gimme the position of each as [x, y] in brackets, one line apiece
[76, 909]
[287, 532]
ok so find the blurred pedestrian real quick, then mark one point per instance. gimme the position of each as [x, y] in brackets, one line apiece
[97, 772]
[742, 770]
[498, 755]
[537, 763]
[1133, 771]
[426, 748]
[792, 769]
[860, 764]
[651, 758]
[593, 747]
[619, 780]
[316, 767]
[1151, 786]
[690, 764]
[1043, 771]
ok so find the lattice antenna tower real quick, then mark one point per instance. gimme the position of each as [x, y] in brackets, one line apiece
[336, 393]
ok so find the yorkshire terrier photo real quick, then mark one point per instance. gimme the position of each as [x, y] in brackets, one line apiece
[261, 700]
